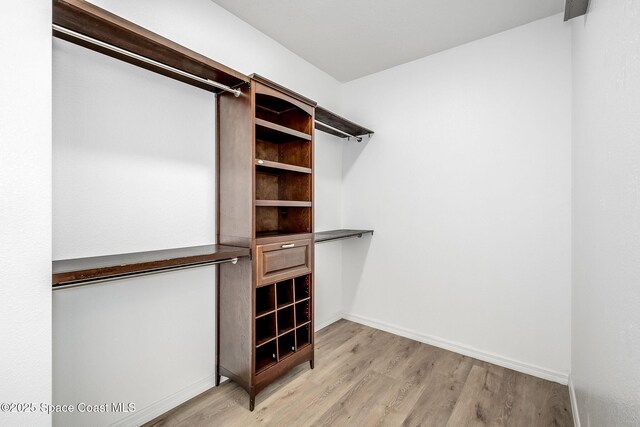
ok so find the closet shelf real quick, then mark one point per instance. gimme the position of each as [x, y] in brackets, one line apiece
[277, 131]
[281, 166]
[284, 203]
[91, 21]
[343, 128]
[327, 236]
[74, 272]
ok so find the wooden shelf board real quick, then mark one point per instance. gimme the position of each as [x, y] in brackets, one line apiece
[300, 347]
[90, 20]
[265, 341]
[264, 313]
[303, 299]
[284, 203]
[327, 117]
[84, 270]
[266, 366]
[303, 324]
[268, 164]
[286, 331]
[289, 353]
[289, 304]
[327, 236]
[282, 130]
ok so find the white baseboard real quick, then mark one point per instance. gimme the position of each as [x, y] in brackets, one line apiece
[574, 403]
[329, 321]
[505, 362]
[156, 409]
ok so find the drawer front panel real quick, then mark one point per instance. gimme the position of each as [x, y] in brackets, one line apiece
[279, 261]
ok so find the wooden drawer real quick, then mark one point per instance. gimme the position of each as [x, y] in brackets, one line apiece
[283, 260]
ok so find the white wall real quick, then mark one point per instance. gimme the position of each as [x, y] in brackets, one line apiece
[467, 183]
[328, 216]
[133, 171]
[134, 158]
[605, 369]
[25, 209]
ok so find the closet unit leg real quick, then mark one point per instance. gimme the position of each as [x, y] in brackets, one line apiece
[252, 399]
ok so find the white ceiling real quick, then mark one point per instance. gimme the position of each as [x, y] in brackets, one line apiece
[352, 38]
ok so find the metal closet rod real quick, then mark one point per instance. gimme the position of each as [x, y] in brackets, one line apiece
[348, 135]
[235, 92]
[140, 273]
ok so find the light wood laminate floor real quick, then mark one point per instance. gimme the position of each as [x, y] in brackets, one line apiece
[368, 377]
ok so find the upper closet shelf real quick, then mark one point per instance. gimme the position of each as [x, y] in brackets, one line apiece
[333, 124]
[327, 236]
[80, 271]
[89, 26]
[279, 132]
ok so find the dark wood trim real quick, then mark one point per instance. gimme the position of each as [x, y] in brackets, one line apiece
[90, 20]
[281, 237]
[332, 119]
[83, 270]
[280, 88]
[327, 236]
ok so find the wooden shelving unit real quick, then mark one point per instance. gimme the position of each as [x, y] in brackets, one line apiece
[327, 236]
[94, 269]
[265, 188]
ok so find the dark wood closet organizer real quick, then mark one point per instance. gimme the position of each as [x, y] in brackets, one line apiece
[265, 140]
[265, 203]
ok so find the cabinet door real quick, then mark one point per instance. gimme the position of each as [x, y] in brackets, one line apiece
[283, 260]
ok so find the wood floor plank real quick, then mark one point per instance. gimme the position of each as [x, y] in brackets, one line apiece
[369, 377]
[353, 406]
[441, 392]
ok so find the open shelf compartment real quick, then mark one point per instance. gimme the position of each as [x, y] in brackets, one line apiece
[282, 185]
[274, 220]
[285, 320]
[303, 336]
[303, 312]
[283, 113]
[265, 300]
[302, 287]
[266, 356]
[284, 292]
[296, 153]
[265, 329]
[286, 345]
